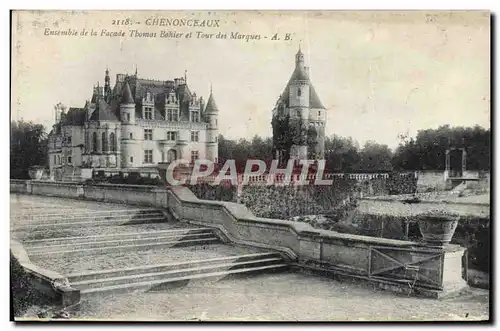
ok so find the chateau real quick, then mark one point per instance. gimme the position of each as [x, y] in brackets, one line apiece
[136, 124]
[299, 118]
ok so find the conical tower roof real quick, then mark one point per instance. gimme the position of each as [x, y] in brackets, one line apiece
[127, 94]
[211, 105]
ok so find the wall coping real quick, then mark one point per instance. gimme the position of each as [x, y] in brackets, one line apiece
[242, 214]
[58, 283]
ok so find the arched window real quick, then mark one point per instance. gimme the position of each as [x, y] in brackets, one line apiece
[299, 92]
[112, 142]
[104, 141]
[94, 142]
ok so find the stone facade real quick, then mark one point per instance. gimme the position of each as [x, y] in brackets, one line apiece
[299, 105]
[136, 124]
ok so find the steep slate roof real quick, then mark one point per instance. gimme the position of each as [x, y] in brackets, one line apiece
[300, 74]
[211, 105]
[138, 90]
[103, 112]
[75, 116]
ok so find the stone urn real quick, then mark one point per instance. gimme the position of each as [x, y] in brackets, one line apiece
[437, 228]
[36, 172]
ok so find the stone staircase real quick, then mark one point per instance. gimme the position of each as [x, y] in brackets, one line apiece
[78, 246]
[90, 247]
[158, 277]
[90, 218]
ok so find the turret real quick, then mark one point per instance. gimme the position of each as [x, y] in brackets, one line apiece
[127, 106]
[211, 116]
[107, 85]
[299, 87]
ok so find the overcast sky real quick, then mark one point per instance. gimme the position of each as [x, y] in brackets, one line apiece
[379, 74]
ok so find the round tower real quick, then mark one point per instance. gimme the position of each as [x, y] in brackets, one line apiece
[211, 116]
[127, 118]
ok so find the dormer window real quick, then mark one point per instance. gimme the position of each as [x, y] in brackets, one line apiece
[299, 92]
[195, 116]
[172, 115]
[148, 113]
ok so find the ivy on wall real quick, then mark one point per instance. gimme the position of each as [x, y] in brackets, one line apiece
[289, 131]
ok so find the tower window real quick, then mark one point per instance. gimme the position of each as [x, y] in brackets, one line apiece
[319, 113]
[128, 117]
[131, 135]
[195, 136]
[131, 159]
[299, 92]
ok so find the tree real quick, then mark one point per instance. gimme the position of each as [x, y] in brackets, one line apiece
[28, 147]
[375, 157]
[427, 151]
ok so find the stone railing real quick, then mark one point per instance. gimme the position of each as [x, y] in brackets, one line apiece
[128, 194]
[394, 264]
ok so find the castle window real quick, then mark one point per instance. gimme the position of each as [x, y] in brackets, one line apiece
[194, 116]
[131, 135]
[319, 113]
[55, 160]
[171, 135]
[128, 117]
[299, 92]
[131, 159]
[69, 140]
[195, 135]
[148, 156]
[194, 156]
[148, 113]
[104, 142]
[94, 142]
[69, 159]
[172, 115]
[148, 134]
[215, 139]
[112, 142]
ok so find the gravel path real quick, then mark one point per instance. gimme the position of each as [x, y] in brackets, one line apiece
[119, 259]
[282, 297]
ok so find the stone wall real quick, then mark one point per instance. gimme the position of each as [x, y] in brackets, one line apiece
[341, 254]
[128, 194]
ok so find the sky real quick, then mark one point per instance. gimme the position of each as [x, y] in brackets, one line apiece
[379, 74]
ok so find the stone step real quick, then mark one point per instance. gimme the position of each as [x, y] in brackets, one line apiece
[87, 215]
[158, 285]
[165, 275]
[147, 269]
[115, 236]
[120, 242]
[115, 221]
[103, 250]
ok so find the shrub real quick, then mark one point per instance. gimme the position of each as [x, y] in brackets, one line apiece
[23, 294]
